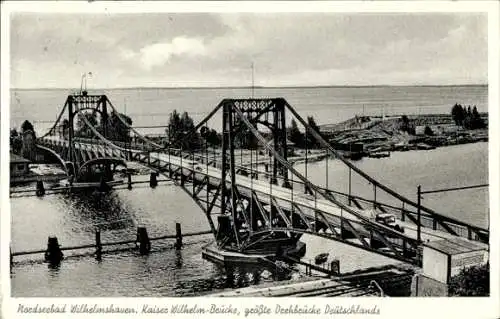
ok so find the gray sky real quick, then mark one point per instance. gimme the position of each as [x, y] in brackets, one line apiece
[135, 50]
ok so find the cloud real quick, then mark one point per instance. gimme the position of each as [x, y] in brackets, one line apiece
[159, 54]
[287, 49]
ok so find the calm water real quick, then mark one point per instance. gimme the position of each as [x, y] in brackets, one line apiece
[149, 107]
[167, 272]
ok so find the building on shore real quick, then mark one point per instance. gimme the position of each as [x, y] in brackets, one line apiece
[19, 166]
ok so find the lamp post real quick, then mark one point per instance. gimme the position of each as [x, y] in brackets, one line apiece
[84, 77]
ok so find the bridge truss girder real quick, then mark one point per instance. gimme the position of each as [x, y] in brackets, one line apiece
[267, 217]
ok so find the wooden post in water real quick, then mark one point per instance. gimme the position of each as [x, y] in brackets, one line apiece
[53, 254]
[349, 186]
[143, 239]
[153, 182]
[335, 267]
[98, 245]
[178, 236]
[40, 189]
[129, 181]
[419, 197]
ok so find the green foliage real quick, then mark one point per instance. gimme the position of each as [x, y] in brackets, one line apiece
[244, 137]
[299, 139]
[311, 141]
[28, 148]
[16, 142]
[467, 117]
[472, 281]
[27, 126]
[180, 131]
[405, 124]
[116, 130]
[213, 138]
[82, 130]
[295, 135]
[428, 131]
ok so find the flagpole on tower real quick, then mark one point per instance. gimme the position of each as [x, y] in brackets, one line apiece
[252, 80]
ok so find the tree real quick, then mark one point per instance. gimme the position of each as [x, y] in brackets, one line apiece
[311, 140]
[190, 139]
[213, 138]
[428, 131]
[180, 131]
[28, 148]
[16, 142]
[244, 137]
[118, 127]
[174, 128]
[458, 114]
[82, 130]
[477, 121]
[405, 123]
[295, 135]
[27, 126]
[472, 281]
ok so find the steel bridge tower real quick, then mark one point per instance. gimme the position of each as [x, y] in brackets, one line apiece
[77, 103]
[267, 113]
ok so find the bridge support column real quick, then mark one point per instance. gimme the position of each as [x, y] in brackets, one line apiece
[178, 236]
[53, 254]
[143, 239]
[40, 189]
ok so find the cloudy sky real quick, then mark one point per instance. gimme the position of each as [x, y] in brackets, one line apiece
[187, 49]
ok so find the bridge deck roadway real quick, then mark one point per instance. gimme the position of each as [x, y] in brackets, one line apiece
[299, 198]
[281, 193]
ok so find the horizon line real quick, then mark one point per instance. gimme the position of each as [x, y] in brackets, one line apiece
[256, 87]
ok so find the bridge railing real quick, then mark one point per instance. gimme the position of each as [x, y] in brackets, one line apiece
[402, 213]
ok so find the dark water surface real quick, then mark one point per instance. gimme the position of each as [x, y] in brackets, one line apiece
[149, 107]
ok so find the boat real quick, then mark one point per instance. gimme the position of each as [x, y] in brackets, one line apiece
[379, 154]
[321, 258]
[355, 156]
[423, 146]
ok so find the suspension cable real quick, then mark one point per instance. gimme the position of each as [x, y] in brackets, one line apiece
[388, 190]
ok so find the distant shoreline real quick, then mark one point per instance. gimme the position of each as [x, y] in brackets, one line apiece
[255, 87]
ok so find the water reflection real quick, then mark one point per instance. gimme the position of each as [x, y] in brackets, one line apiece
[53, 269]
[105, 211]
[178, 259]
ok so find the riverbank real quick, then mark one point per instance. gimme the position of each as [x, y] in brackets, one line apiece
[367, 135]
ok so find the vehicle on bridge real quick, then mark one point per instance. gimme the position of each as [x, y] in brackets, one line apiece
[321, 258]
[389, 220]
